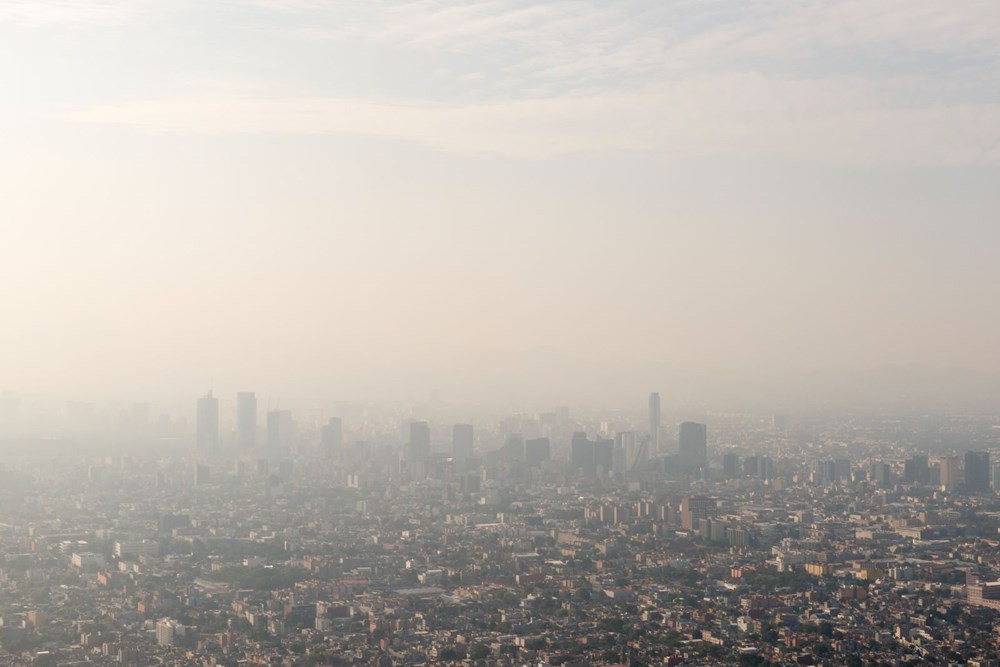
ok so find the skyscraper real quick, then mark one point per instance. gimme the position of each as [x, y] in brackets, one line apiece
[949, 473]
[420, 441]
[916, 470]
[280, 430]
[730, 465]
[654, 424]
[693, 508]
[536, 451]
[693, 447]
[824, 472]
[207, 422]
[512, 451]
[462, 442]
[246, 419]
[977, 472]
[582, 454]
[633, 453]
[765, 465]
[880, 474]
[332, 437]
[604, 456]
[590, 456]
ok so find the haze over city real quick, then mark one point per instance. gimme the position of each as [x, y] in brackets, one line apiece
[499, 333]
[375, 199]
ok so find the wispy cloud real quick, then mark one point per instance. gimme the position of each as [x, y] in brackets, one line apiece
[741, 115]
[538, 79]
[579, 41]
[78, 12]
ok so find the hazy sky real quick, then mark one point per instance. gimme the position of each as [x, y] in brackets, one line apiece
[313, 196]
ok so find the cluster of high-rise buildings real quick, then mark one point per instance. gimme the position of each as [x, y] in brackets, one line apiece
[971, 473]
[280, 426]
[626, 450]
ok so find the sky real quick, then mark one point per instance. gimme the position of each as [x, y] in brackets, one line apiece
[342, 199]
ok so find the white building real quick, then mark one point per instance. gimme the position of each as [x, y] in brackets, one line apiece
[140, 548]
[169, 632]
[86, 560]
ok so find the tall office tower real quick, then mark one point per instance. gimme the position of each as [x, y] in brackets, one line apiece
[766, 466]
[331, 437]
[420, 441]
[246, 419]
[825, 472]
[462, 442]
[880, 474]
[934, 474]
[693, 446]
[513, 449]
[693, 508]
[995, 476]
[730, 465]
[916, 470]
[654, 424]
[949, 473]
[977, 472]
[633, 453]
[842, 468]
[581, 455]
[604, 455]
[637, 454]
[280, 430]
[207, 427]
[537, 451]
